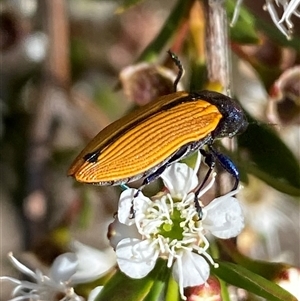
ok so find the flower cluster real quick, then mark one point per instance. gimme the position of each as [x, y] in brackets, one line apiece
[168, 226]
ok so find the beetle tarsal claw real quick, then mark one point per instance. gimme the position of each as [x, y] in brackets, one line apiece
[137, 193]
[132, 211]
[198, 208]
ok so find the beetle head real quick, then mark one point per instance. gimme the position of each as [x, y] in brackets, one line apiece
[233, 122]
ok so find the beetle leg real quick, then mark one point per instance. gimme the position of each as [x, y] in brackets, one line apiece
[132, 211]
[228, 165]
[145, 182]
[225, 162]
[210, 162]
[181, 153]
[152, 177]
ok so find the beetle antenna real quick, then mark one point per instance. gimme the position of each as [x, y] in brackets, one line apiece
[178, 64]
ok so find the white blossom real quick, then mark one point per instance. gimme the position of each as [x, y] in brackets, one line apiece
[44, 287]
[168, 226]
[68, 269]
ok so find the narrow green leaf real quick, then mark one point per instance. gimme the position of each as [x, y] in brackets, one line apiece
[155, 292]
[159, 285]
[123, 288]
[244, 30]
[224, 291]
[172, 293]
[270, 159]
[243, 278]
[126, 5]
[179, 12]
[266, 269]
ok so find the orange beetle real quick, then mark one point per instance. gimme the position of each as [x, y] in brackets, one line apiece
[143, 143]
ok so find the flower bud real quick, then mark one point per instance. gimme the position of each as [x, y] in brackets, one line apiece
[211, 290]
[145, 82]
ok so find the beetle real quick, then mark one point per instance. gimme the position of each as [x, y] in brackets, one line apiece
[145, 142]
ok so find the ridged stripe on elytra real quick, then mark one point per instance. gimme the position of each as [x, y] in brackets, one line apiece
[145, 129]
[174, 118]
[115, 129]
[132, 154]
[121, 163]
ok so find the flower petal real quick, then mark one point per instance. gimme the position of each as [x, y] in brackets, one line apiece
[126, 202]
[179, 179]
[136, 258]
[94, 293]
[92, 263]
[63, 267]
[118, 231]
[223, 216]
[194, 271]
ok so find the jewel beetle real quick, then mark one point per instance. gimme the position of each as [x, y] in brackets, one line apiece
[143, 143]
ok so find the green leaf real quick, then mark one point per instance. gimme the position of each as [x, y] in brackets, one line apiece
[123, 288]
[191, 160]
[172, 293]
[159, 285]
[224, 290]
[244, 30]
[243, 278]
[126, 5]
[168, 30]
[266, 269]
[269, 158]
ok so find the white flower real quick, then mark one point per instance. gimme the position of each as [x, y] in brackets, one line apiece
[168, 226]
[46, 287]
[283, 23]
[289, 8]
[85, 265]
